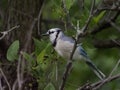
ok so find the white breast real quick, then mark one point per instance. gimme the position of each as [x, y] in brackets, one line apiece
[65, 48]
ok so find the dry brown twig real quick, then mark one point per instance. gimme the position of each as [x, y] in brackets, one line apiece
[116, 42]
[5, 78]
[19, 74]
[114, 25]
[39, 17]
[14, 85]
[4, 33]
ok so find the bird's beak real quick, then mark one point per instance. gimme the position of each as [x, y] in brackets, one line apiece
[46, 34]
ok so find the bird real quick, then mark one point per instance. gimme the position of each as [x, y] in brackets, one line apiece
[63, 45]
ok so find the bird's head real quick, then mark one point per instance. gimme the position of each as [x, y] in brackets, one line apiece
[54, 34]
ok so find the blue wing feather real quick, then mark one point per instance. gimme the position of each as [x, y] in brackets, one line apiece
[82, 52]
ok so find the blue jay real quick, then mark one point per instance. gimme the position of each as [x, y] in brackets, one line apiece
[63, 45]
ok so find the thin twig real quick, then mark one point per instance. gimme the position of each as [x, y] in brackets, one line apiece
[39, 17]
[116, 66]
[116, 42]
[56, 70]
[106, 81]
[5, 79]
[6, 32]
[19, 79]
[114, 25]
[65, 74]
[90, 17]
[106, 43]
[111, 9]
[67, 14]
[15, 85]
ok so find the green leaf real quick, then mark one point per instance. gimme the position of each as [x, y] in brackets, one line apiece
[39, 45]
[42, 62]
[12, 53]
[50, 86]
[40, 57]
[97, 18]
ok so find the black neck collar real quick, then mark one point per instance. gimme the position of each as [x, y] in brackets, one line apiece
[55, 41]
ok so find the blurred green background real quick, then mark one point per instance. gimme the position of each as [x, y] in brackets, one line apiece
[46, 66]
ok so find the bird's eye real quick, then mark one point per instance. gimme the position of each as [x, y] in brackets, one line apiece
[51, 32]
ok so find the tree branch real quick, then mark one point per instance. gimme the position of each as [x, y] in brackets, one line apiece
[106, 43]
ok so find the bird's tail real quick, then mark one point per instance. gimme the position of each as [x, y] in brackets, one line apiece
[95, 69]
